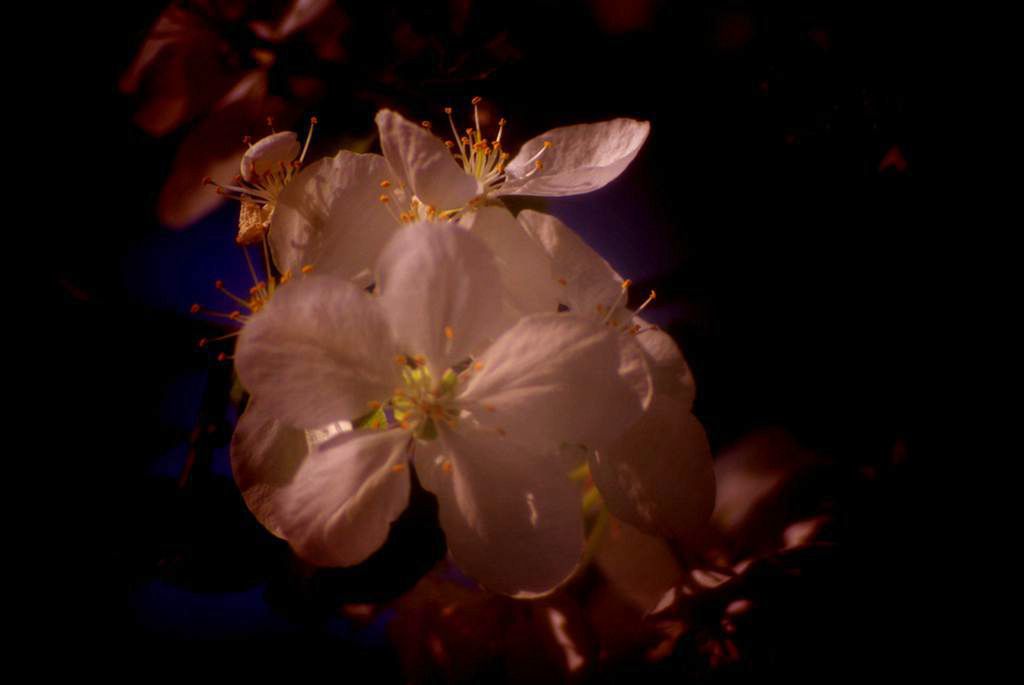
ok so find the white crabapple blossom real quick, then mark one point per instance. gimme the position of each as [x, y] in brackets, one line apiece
[444, 177]
[658, 475]
[411, 366]
[266, 169]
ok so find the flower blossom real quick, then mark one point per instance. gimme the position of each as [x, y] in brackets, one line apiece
[266, 169]
[412, 369]
[444, 177]
[659, 474]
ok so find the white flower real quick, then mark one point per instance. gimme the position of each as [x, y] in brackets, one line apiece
[564, 161]
[480, 435]
[659, 474]
[266, 169]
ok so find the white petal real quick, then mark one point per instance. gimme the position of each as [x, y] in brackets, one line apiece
[512, 517]
[330, 216]
[265, 454]
[669, 370]
[557, 378]
[586, 280]
[339, 507]
[437, 277]
[659, 476]
[582, 158]
[267, 155]
[524, 266]
[639, 566]
[423, 164]
[317, 353]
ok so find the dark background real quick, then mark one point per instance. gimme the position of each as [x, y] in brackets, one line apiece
[780, 208]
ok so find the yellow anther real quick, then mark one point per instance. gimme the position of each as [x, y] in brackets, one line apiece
[446, 467]
[626, 283]
[307, 268]
[420, 360]
[426, 124]
[385, 184]
[401, 361]
[398, 468]
[384, 198]
[447, 110]
[539, 164]
[502, 121]
[449, 144]
[478, 365]
[477, 100]
[448, 332]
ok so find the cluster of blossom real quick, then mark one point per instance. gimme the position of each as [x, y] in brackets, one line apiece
[417, 324]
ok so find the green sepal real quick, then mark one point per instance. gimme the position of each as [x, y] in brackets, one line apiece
[373, 420]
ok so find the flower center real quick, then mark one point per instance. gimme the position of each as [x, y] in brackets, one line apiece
[421, 402]
[481, 158]
[406, 209]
